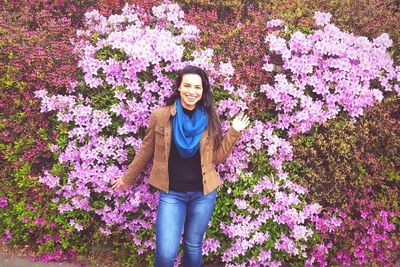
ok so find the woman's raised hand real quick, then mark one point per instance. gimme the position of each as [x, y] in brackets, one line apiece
[240, 122]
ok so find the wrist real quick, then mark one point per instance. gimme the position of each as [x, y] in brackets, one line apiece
[234, 130]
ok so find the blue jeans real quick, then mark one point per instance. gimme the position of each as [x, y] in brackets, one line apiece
[177, 211]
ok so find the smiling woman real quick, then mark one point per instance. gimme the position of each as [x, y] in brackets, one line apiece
[185, 140]
[191, 90]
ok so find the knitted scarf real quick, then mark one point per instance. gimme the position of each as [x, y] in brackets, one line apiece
[187, 131]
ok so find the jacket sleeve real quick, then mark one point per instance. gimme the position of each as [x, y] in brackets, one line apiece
[144, 154]
[227, 144]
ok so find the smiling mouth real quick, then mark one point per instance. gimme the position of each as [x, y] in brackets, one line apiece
[191, 97]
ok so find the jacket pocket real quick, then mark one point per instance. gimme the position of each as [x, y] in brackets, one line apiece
[160, 130]
[159, 149]
[207, 157]
[159, 177]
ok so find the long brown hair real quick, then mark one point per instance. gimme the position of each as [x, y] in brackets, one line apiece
[206, 101]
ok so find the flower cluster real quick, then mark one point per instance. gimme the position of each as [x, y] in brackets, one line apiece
[3, 202]
[327, 72]
[277, 204]
[368, 227]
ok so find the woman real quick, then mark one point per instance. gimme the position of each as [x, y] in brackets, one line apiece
[185, 141]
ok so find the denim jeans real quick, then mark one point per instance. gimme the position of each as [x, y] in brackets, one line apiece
[177, 211]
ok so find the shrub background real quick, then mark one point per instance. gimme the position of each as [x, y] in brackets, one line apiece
[339, 162]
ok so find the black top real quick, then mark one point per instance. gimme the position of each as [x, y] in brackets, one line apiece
[184, 174]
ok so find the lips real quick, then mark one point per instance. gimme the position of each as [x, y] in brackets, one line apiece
[191, 98]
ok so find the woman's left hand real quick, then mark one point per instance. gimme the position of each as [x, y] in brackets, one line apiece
[240, 122]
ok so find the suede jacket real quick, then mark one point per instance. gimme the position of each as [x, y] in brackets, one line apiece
[157, 143]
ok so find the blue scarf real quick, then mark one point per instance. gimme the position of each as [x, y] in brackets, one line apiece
[187, 131]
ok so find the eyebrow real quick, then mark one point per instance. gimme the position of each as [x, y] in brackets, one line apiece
[197, 85]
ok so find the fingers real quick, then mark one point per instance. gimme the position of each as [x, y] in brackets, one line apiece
[119, 184]
[115, 186]
[240, 122]
[244, 119]
[242, 116]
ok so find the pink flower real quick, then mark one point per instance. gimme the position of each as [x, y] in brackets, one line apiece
[210, 245]
[39, 221]
[77, 226]
[322, 18]
[226, 68]
[383, 40]
[8, 235]
[241, 203]
[264, 255]
[274, 23]
[3, 202]
[287, 245]
[301, 232]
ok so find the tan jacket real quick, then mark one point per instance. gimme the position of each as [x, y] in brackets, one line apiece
[157, 143]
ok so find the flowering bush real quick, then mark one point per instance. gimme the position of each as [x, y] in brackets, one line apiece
[106, 111]
[313, 82]
[29, 62]
[368, 232]
[330, 71]
[134, 79]
[128, 62]
[35, 54]
[364, 184]
[362, 18]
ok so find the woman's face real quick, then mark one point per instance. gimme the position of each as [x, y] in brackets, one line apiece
[191, 90]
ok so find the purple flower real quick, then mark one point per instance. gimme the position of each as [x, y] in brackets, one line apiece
[50, 180]
[39, 221]
[3, 202]
[8, 235]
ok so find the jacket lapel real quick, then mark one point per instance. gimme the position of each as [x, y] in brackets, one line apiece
[203, 140]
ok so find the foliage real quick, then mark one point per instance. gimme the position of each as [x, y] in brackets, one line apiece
[363, 192]
[109, 7]
[341, 155]
[30, 62]
[35, 54]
